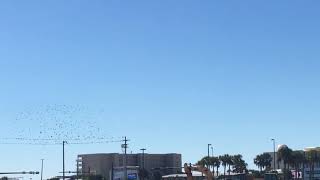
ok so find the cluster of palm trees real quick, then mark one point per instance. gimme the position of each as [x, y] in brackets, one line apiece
[299, 160]
[230, 163]
[312, 158]
[263, 161]
[292, 160]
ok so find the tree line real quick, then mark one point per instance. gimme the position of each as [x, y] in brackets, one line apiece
[292, 160]
[229, 163]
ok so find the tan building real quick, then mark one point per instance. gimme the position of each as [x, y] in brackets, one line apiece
[101, 164]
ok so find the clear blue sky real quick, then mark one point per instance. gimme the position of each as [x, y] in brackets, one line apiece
[171, 75]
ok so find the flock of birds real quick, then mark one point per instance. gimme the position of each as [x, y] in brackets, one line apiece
[53, 124]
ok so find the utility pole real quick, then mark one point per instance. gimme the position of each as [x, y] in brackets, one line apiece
[274, 154]
[63, 165]
[42, 168]
[125, 146]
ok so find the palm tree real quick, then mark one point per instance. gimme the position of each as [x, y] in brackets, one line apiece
[230, 163]
[224, 162]
[259, 162]
[312, 157]
[217, 164]
[205, 161]
[214, 161]
[296, 160]
[239, 165]
[263, 161]
[284, 154]
[267, 160]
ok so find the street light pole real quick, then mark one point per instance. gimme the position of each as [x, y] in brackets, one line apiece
[274, 154]
[143, 149]
[41, 168]
[63, 165]
[209, 150]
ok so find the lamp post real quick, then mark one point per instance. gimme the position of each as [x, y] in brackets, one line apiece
[63, 164]
[274, 154]
[143, 149]
[209, 150]
[41, 168]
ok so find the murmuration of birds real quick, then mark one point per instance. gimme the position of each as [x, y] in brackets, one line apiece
[52, 124]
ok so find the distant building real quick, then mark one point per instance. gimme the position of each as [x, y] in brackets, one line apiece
[101, 164]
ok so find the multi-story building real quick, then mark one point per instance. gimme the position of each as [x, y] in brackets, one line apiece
[102, 164]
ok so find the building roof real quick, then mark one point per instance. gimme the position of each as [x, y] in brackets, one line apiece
[93, 154]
